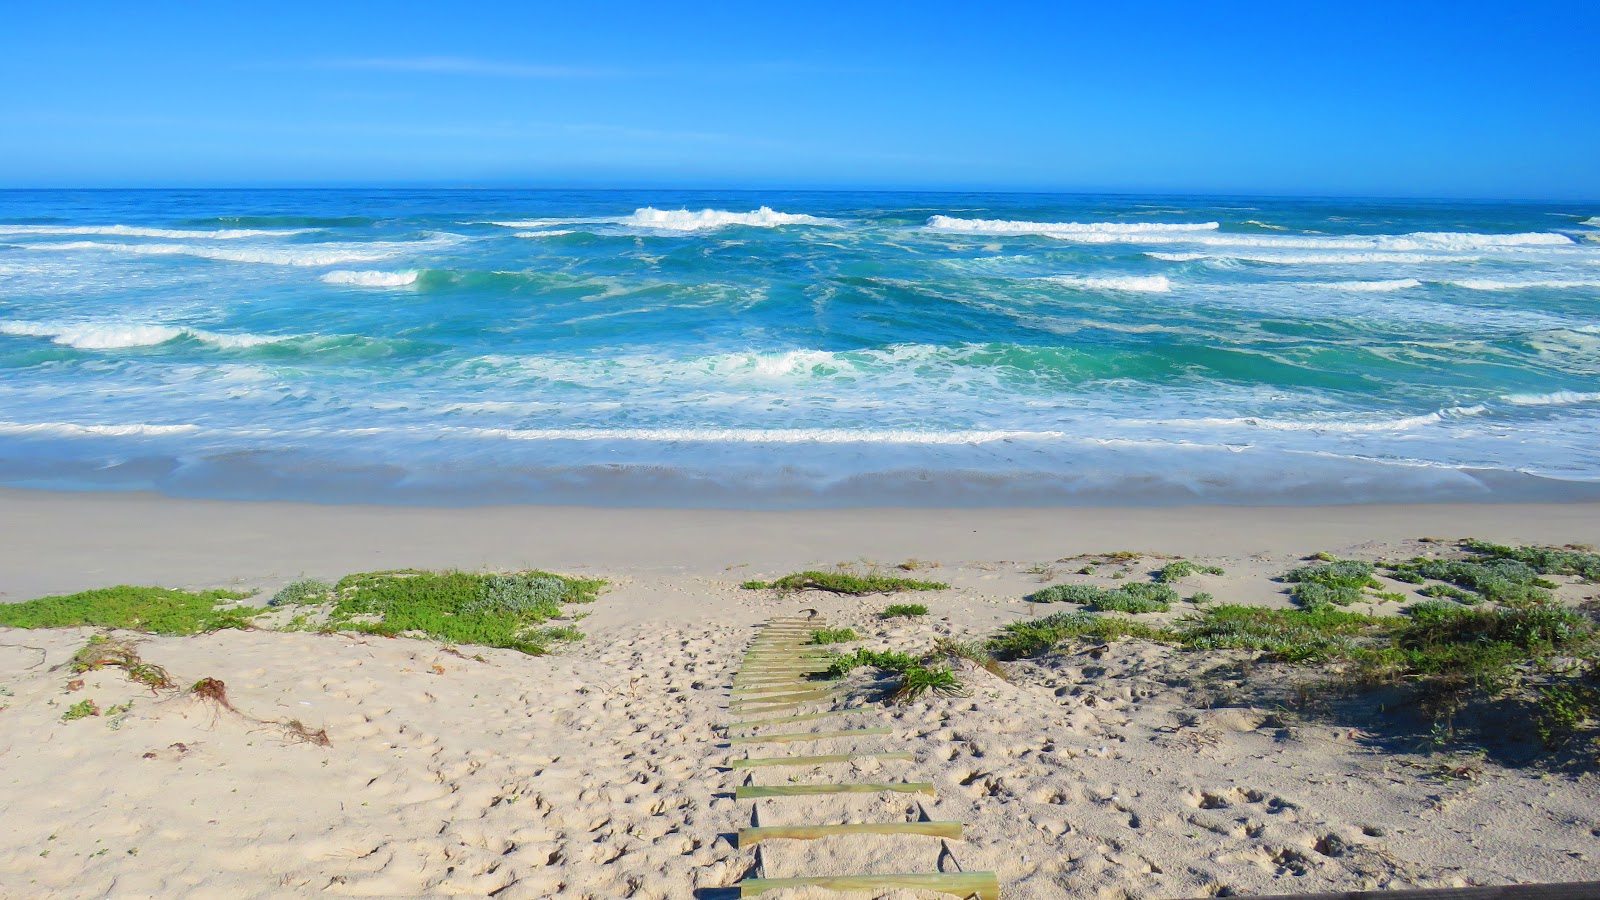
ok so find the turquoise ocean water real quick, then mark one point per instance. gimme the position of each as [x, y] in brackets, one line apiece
[794, 349]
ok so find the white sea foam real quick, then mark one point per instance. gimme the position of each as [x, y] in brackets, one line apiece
[74, 429]
[763, 435]
[1396, 284]
[139, 231]
[116, 335]
[1592, 222]
[372, 279]
[684, 220]
[539, 234]
[322, 255]
[1378, 243]
[1554, 398]
[1005, 226]
[1477, 284]
[1157, 284]
[1304, 259]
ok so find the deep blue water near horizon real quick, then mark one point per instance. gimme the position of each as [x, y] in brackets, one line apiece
[778, 349]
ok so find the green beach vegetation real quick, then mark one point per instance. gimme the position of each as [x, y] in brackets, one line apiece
[1491, 633]
[493, 610]
[1128, 598]
[903, 611]
[914, 676]
[148, 609]
[833, 635]
[845, 583]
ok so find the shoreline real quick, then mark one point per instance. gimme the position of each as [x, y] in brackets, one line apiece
[58, 542]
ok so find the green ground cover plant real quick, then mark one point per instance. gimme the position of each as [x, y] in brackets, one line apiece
[1128, 598]
[302, 593]
[833, 635]
[462, 607]
[1183, 568]
[845, 583]
[148, 609]
[903, 611]
[1337, 583]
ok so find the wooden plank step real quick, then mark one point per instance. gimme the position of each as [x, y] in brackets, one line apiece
[775, 688]
[1572, 890]
[982, 885]
[759, 791]
[805, 694]
[749, 837]
[814, 760]
[781, 720]
[806, 736]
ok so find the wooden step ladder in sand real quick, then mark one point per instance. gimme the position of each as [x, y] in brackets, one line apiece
[775, 676]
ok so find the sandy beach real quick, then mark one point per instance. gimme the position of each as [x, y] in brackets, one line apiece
[600, 771]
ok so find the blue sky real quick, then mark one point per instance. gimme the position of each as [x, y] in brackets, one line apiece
[1396, 99]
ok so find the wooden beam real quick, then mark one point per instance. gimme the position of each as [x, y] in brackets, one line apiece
[982, 885]
[737, 703]
[806, 736]
[759, 723]
[1576, 890]
[776, 688]
[758, 791]
[815, 760]
[749, 837]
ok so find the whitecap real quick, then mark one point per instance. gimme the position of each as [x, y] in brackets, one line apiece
[75, 429]
[1554, 398]
[372, 279]
[1395, 284]
[1479, 284]
[684, 220]
[139, 231]
[1302, 259]
[1005, 226]
[117, 335]
[539, 234]
[1157, 284]
[326, 255]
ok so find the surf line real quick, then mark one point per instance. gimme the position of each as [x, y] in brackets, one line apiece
[776, 675]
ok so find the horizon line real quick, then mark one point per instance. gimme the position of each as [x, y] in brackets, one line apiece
[1041, 191]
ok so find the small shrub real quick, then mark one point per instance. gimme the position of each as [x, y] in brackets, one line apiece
[917, 681]
[1035, 637]
[972, 652]
[833, 635]
[846, 583]
[302, 593]
[1129, 598]
[1291, 635]
[1183, 568]
[1201, 598]
[1452, 593]
[903, 610]
[1562, 710]
[81, 710]
[1571, 560]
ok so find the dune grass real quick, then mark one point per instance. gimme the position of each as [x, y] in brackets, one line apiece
[915, 677]
[149, 609]
[1183, 568]
[833, 635]
[903, 611]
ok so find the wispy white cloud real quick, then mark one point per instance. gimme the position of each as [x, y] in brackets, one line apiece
[465, 65]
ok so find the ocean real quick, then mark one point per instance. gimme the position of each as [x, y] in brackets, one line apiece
[792, 349]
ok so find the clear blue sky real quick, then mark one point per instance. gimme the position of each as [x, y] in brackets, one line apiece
[1399, 98]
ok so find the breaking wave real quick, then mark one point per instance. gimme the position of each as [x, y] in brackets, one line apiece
[138, 231]
[116, 335]
[1005, 226]
[1395, 284]
[372, 279]
[684, 220]
[296, 256]
[1156, 284]
[1476, 284]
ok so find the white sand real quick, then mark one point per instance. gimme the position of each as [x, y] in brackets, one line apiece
[598, 772]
